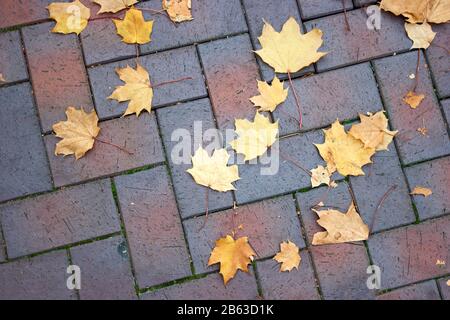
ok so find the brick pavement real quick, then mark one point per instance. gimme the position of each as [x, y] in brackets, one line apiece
[138, 218]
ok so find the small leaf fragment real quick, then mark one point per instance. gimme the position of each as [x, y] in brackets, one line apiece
[271, 95]
[413, 99]
[133, 28]
[178, 10]
[288, 256]
[2, 79]
[421, 34]
[320, 175]
[422, 191]
[70, 17]
[440, 263]
[114, 5]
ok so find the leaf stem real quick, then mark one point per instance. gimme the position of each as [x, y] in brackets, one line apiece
[380, 203]
[347, 24]
[416, 82]
[295, 163]
[206, 208]
[171, 81]
[297, 101]
[114, 145]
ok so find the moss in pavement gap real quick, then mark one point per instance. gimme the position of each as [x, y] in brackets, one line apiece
[172, 283]
[147, 167]
[258, 284]
[8, 29]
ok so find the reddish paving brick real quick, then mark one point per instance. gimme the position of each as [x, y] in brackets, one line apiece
[445, 288]
[162, 67]
[294, 285]
[153, 226]
[212, 19]
[39, 278]
[393, 76]
[422, 291]
[59, 218]
[438, 58]
[12, 61]
[409, 254]
[446, 107]
[360, 44]
[184, 123]
[384, 174]
[138, 135]
[434, 175]
[57, 71]
[266, 224]
[106, 270]
[22, 12]
[242, 287]
[316, 8]
[325, 97]
[231, 73]
[22, 154]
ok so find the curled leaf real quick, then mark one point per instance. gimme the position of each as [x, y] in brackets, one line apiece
[320, 175]
[418, 11]
[413, 99]
[178, 10]
[114, 5]
[422, 191]
[421, 34]
[70, 17]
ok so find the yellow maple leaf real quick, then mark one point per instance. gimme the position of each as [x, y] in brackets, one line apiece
[70, 17]
[114, 5]
[78, 132]
[233, 255]
[213, 172]
[343, 152]
[288, 256]
[178, 10]
[418, 11]
[421, 34]
[254, 137]
[422, 191]
[271, 95]
[289, 51]
[320, 175]
[133, 28]
[137, 90]
[340, 227]
[413, 99]
[373, 131]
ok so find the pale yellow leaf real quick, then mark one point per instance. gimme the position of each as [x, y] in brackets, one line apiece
[413, 99]
[420, 34]
[271, 95]
[133, 28]
[320, 175]
[288, 256]
[2, 79]
[440, 263]
[418, 11]
[70, 17]
[178, 10]
[422, 191]
[114, 5]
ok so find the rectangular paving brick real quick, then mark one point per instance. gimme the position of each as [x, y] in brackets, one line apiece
[434, 175]
[57, 72]
[393, 76]
[137, 135]
[316, 8]
[106, 270]
[446, 107]
[59, 218]
[12, 60]
[360, 44]
[437, 55]
[294, 285]
[15, 12]
[2, 247]
[212, 19]
[153, 226]
[22, 155]
[231, 73]
[445, 288]
[39, 278]
[182, 124]
[375, 193]
[422, 291]
[409, 254]
[162, 67]
[325, 97]
[266, 224]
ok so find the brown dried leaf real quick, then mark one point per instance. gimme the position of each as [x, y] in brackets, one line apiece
[422, 191]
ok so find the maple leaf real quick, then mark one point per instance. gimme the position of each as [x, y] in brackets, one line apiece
[137, 90]
[373, 131]
[343, 152]
[340, 227]
[413, 99]
[178, 10]
[133, 28]
[78, 132]
[213, 171]
[2, 79]
[320, 175]
[289, 51]
[114, 5]
[448, 283]
[288, 256]
[421, 34]
[270, 95]
[70, 17]
[435, 11]
[233, 255]
[422, 191]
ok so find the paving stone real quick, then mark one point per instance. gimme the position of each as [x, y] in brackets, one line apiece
[15, 12]
[212, 19]
[56, 219]
[22, 155]
[446, 107]
[12, 61]
[316, 8]
[409, 254]
[231, 73]
[422, 291]
[137, 135]
[266, 224]
[384, 174]
[153, 226]
[438, 58]
[445, 288]
[2, 247]
[242, 287]
[162, 67]
[57, 71]
[106, 270]
[393, 76]
[294, 285]
[434, 175]
[363, 3]
[360, 44]
[190, 123]
[325, 97]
